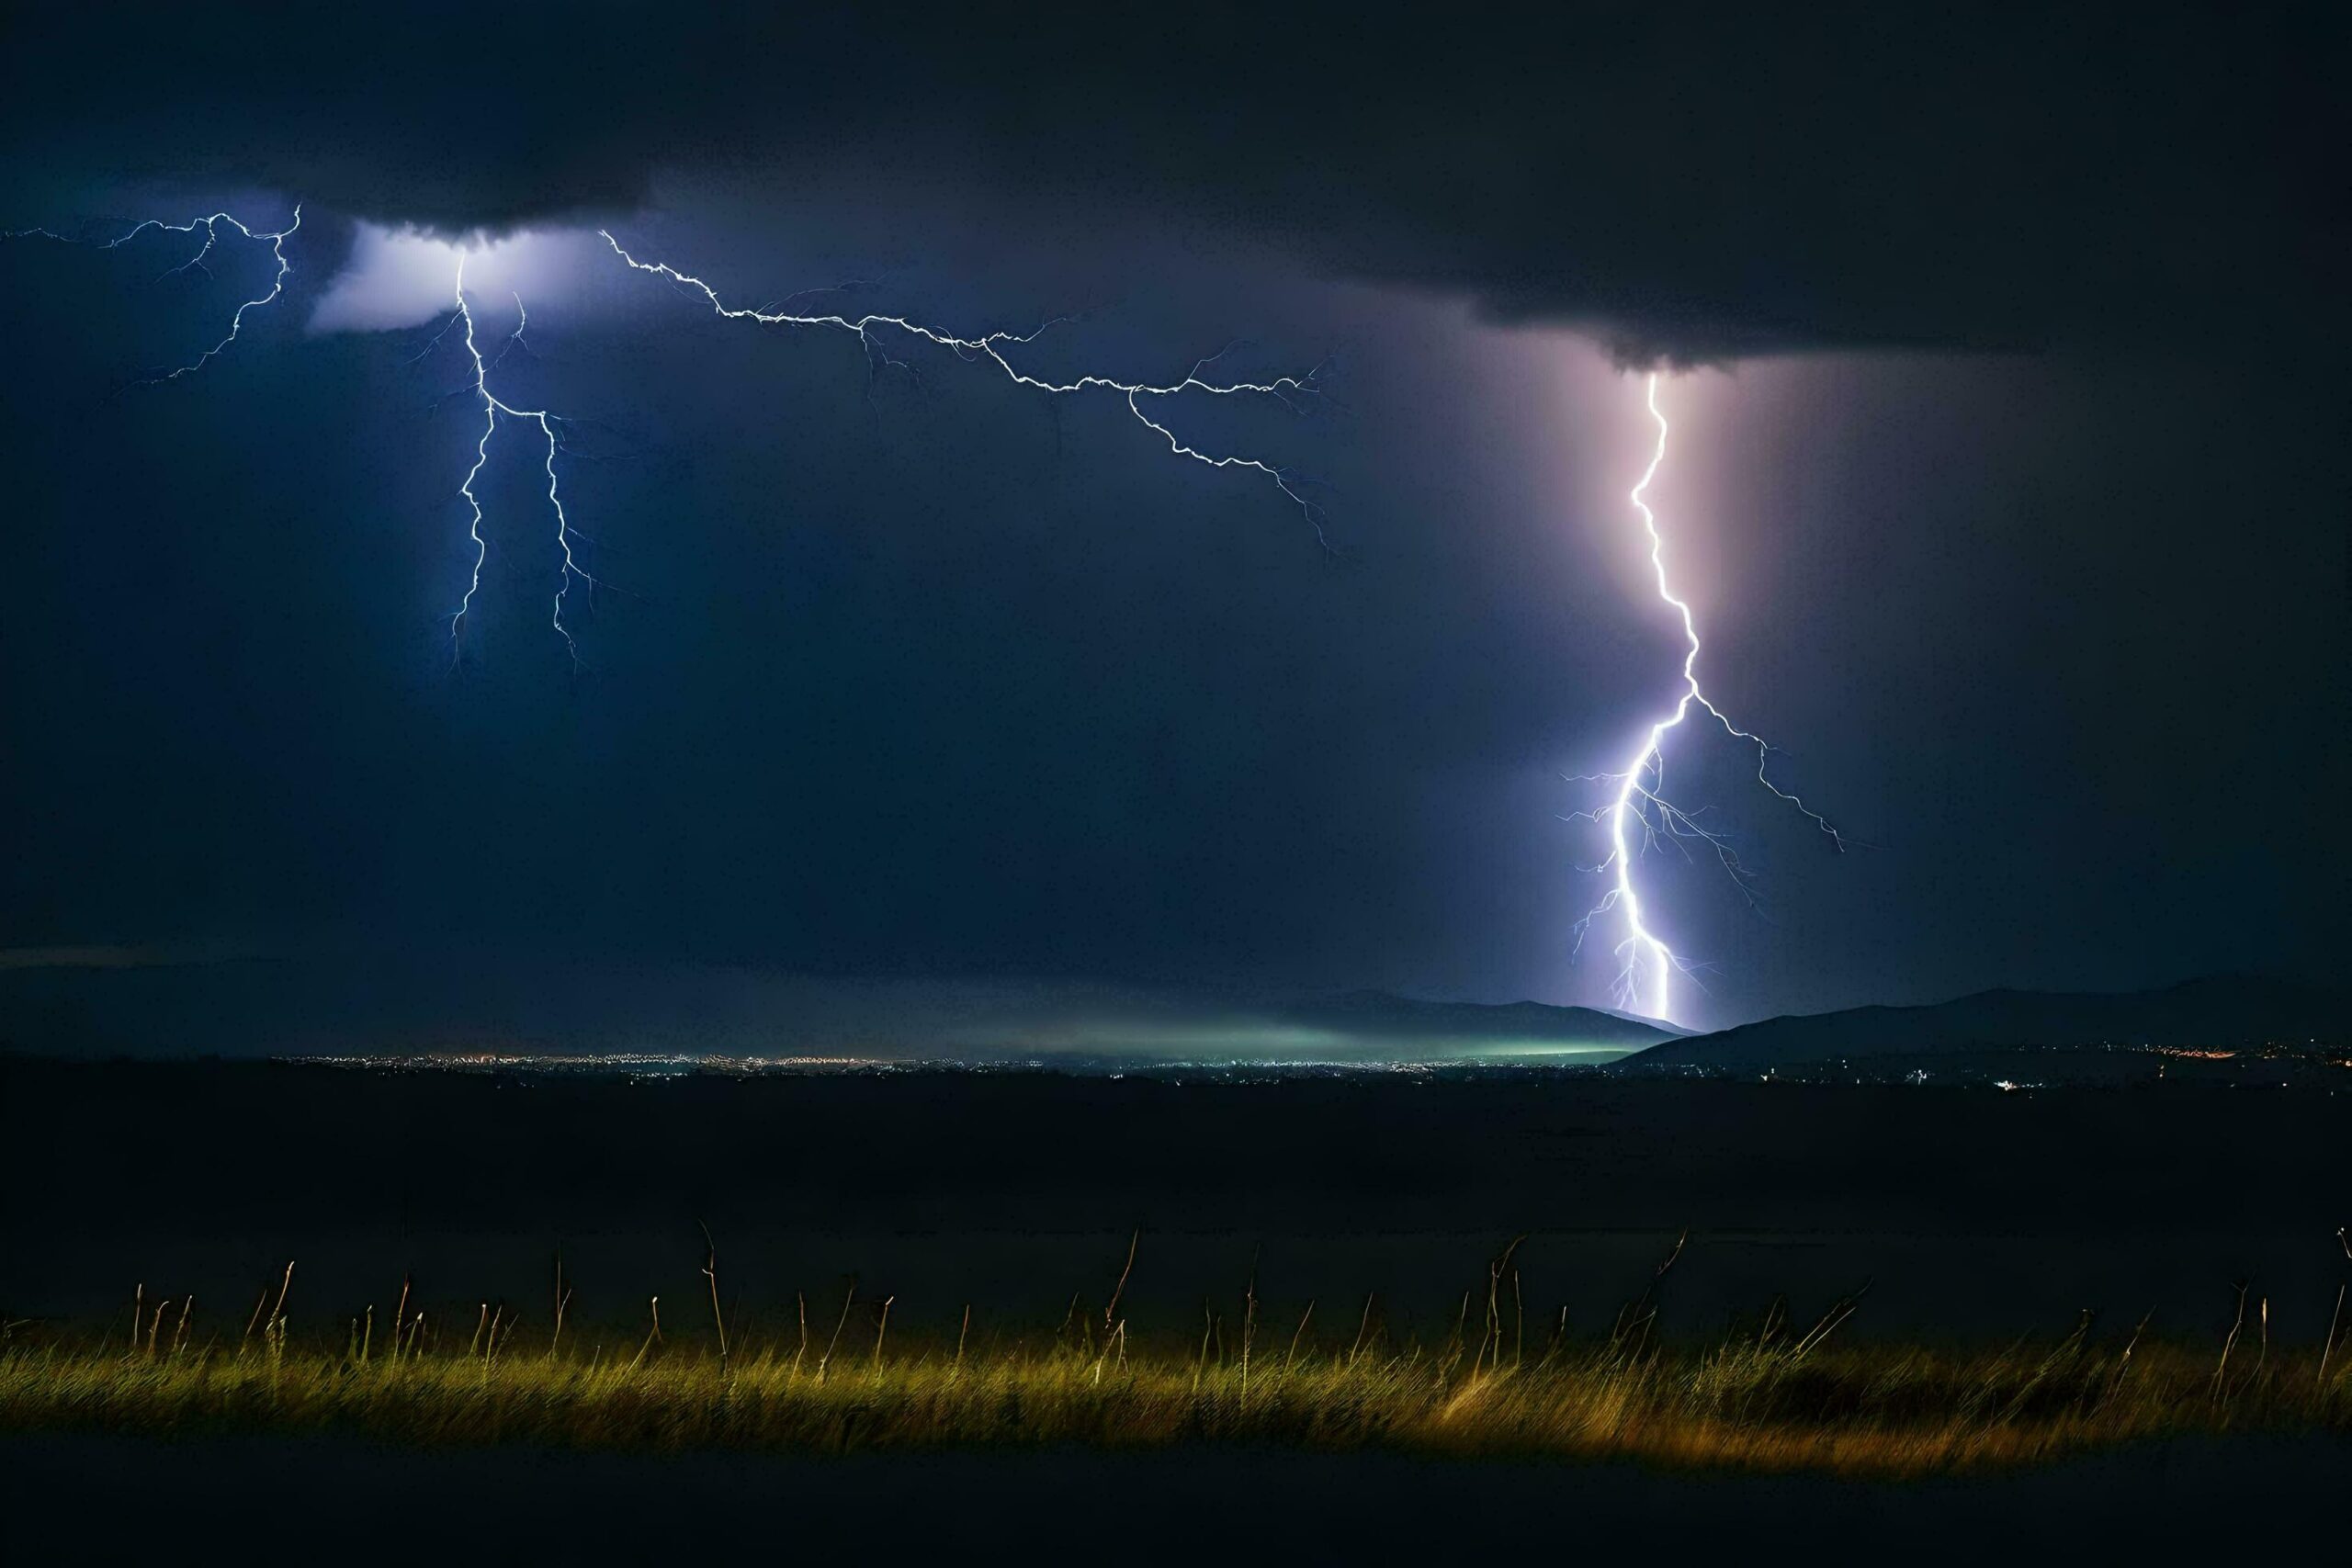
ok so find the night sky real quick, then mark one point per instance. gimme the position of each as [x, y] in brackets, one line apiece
[2008, 480]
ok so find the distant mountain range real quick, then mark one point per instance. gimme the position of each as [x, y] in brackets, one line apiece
[161, 1003]
[2226, 1013]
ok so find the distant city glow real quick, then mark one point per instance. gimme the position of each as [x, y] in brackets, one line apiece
[1426, 1057]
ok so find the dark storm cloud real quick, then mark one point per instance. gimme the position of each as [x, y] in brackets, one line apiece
[1684, 183]
[912, 674]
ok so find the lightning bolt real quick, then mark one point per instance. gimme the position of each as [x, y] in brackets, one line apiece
[1141, 397]
[1290, 391]
[1647, 965]
[210, 225]
[548, 424]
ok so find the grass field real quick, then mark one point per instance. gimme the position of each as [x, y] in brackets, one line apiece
[1771, 1395]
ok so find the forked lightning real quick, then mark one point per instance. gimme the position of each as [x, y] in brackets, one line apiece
[492, 407]
[1647, 965]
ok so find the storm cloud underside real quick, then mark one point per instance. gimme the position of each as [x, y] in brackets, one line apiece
[1687, 185]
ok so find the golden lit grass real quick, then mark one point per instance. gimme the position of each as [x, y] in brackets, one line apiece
[1774, 1398]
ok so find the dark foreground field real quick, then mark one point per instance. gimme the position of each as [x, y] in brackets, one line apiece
[108, 1500]
[1975, 1215]
[1983, 1225]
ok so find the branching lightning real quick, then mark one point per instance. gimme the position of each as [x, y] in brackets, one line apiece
[1142, 398]
[1647, 965]
[210, 225]
[548, 424]
[1286, 389]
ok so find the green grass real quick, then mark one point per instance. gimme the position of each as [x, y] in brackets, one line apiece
[1775, 1397]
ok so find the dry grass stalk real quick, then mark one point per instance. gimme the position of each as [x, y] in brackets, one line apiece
[2222, 1372]
[1292, 1353]
[652, 1338]
[562, 1301]
[827, 1359]
[1248, 1326]
[710, 1273]
[262, 1301]
[1111, 1308]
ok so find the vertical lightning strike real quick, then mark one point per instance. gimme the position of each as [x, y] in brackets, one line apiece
[211, 227]
[1648, 964]
[492, 407]
[992, 346]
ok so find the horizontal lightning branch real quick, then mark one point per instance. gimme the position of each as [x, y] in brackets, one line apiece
[992, 347]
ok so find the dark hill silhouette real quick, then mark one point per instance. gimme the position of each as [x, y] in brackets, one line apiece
[2226, 1011]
